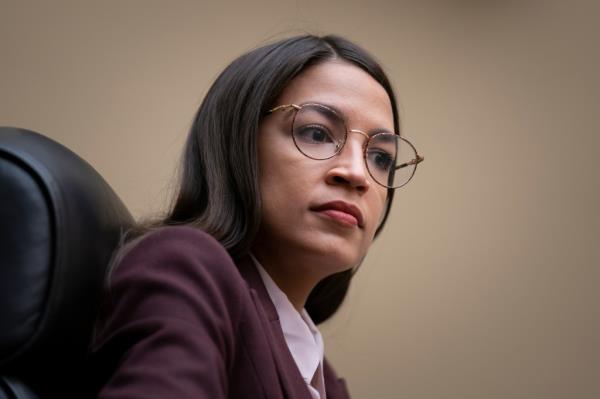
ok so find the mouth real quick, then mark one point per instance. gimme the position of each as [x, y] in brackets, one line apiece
[341, 212]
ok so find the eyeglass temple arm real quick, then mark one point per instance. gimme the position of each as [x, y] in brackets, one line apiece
[415, 161]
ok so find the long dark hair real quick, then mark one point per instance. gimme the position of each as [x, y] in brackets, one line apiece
[218, 190]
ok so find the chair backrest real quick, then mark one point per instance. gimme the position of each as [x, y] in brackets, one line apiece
[59, 225]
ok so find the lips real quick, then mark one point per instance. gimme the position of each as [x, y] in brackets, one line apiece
[341, 211]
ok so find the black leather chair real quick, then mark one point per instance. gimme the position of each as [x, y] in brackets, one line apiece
[59, 225]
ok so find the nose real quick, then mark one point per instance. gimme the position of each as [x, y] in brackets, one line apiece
[349, 166]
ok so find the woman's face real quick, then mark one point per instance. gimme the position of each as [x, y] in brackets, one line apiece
[321, 214]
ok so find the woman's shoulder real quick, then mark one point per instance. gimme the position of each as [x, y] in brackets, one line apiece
[174, 240]
[175, 247]
[181, 257]
[173, 272]
[174, 294]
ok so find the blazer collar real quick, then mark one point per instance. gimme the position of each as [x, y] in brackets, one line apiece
[289, 375]
[252, 277]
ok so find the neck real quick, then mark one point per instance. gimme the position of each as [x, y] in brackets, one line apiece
[294, 279]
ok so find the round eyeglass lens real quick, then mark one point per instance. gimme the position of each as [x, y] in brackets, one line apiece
[391, 160]
[318, 131]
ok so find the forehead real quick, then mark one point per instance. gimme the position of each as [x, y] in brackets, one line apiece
[354, 92]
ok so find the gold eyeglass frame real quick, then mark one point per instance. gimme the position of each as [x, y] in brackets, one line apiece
[414, 161]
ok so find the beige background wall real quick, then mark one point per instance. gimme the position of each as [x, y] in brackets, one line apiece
[485, 284]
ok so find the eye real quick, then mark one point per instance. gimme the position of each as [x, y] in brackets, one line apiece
[380, 160]
[314, 134]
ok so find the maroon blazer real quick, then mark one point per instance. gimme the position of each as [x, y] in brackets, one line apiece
[181, 320]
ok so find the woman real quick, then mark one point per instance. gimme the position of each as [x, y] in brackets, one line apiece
[288, 174]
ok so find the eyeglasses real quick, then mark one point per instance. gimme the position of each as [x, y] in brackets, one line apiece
[319, 132]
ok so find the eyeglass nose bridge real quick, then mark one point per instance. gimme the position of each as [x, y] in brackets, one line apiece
[359, 132]
[341, 144]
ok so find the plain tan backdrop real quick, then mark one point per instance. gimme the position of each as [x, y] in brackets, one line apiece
[486, 282]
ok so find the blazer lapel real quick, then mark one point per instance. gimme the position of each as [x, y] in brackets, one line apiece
[290, 378]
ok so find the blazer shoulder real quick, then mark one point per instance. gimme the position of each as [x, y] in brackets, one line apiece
[175, 269]
[169, 322]
[183, 250]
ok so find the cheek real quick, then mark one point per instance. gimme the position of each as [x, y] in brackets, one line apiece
[283, 172]
[281, 189]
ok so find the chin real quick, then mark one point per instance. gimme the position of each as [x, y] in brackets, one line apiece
[326, 251]
[337, 257]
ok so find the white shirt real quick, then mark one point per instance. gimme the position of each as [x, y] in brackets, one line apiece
[301, 336]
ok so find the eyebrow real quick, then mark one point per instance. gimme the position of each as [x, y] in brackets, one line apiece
[342, 115]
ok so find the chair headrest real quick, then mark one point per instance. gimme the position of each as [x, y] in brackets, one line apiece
[59, 224]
